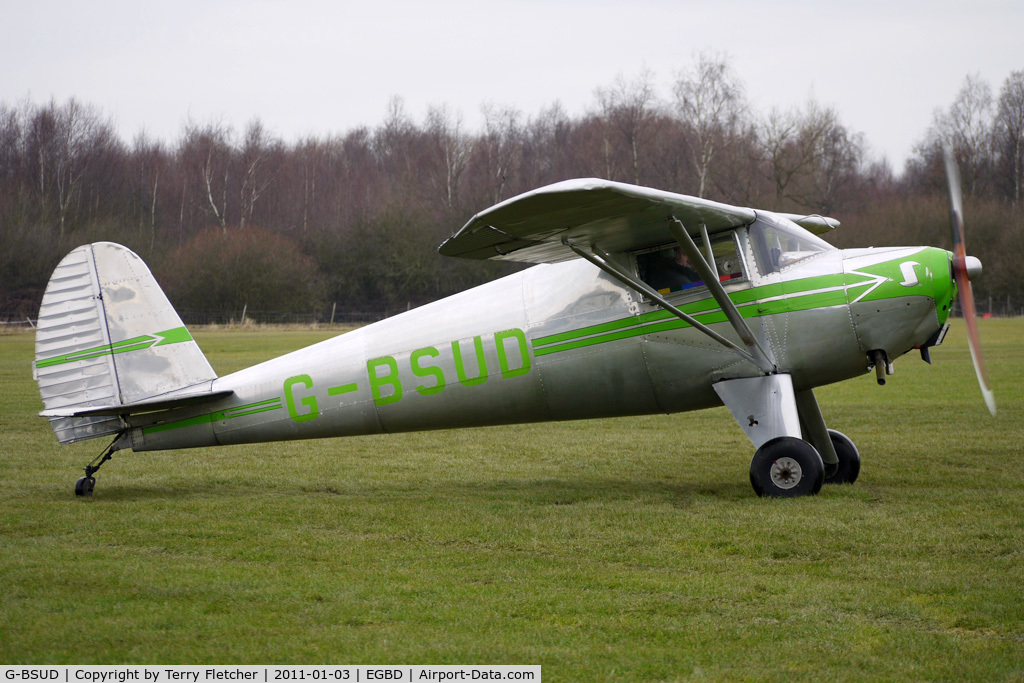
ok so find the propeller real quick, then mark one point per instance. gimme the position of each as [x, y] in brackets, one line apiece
[964, 268]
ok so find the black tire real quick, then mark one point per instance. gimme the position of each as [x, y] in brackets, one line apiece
[786, 467]
[84, 486]
[849, 459]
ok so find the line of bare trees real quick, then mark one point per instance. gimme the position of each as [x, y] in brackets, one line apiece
[232, 218]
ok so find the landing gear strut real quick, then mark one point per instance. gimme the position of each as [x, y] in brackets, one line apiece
[796, 451]
[85, 485]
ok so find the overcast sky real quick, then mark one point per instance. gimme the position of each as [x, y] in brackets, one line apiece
[315, 67]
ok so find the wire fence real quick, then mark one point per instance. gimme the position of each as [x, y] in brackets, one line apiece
[987, 307]
[995, 307]
[243, 316]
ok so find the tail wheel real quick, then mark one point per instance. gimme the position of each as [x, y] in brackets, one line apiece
[849, 459]
[84, 486]
[786, 467]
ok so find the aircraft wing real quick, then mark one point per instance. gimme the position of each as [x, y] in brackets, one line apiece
[614, 216]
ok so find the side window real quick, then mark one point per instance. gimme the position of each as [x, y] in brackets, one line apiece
[667, 269]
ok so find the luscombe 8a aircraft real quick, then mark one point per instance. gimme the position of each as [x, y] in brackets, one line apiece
[612, 322]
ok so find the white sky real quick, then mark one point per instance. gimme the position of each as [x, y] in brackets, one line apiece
[316, 67]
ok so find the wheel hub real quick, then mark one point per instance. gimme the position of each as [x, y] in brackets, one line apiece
[786, 473]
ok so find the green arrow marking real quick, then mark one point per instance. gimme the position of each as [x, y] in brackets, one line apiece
[146, 341]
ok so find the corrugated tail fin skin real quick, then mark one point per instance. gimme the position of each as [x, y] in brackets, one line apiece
[108, 336]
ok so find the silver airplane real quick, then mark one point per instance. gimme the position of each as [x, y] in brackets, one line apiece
[643, 302]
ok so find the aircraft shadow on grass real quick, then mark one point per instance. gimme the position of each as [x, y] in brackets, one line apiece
[539, 492]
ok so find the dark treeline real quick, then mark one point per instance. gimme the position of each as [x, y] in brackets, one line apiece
[228, 219]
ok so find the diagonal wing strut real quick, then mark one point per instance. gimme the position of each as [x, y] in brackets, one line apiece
[604, 261]
[707, 273]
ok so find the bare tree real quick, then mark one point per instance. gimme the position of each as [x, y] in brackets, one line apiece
[76, 126]
[63, 140]
[710, 102]
[967, 127]
[780, 149]
[10, 142]
[547, 147]
[835, 155]
[451, 148]
[260, 163]
[312, 174]
[150, 161]
[1010, 131]
[11, 164]
[391, 140]
[629, 109]
[500, 146]
[206, 152]
[809, 155]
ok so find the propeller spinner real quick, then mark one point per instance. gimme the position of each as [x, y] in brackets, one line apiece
[965, 268]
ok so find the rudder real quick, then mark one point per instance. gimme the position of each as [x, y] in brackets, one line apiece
[107, 336]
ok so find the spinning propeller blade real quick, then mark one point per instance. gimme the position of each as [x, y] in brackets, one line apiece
[963, 280]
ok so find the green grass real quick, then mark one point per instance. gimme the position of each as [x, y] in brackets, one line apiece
[628, 549]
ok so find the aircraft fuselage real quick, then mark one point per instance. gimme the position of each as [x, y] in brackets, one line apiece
[566, 341]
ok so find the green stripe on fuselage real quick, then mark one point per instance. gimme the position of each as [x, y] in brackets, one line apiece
[823, 291]
[226, 414]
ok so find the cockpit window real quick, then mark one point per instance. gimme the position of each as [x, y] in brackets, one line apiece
[779, 243]
[667, 269]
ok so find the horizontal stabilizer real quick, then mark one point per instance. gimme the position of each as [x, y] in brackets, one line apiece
[177, 400]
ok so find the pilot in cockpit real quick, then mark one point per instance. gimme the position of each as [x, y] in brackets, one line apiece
[665, 272]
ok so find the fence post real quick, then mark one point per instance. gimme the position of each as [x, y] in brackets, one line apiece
[334, 307]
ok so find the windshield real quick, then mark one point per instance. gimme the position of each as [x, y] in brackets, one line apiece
[779, 243]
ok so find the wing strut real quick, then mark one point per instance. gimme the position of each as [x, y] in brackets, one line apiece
[707, 273]
[707, 245]
[604, 261]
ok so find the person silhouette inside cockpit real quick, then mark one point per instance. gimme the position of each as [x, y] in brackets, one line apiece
[671, 273]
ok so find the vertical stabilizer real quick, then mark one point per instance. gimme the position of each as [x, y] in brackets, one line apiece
[108, 336]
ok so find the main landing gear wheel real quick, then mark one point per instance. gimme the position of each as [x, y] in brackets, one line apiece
[786, 467]
[849, 459]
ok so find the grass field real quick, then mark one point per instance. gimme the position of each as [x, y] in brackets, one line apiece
[627, 549]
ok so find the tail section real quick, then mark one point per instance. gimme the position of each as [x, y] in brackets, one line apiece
[108, 343]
